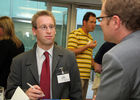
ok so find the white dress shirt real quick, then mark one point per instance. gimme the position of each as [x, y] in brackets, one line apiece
[40, 59]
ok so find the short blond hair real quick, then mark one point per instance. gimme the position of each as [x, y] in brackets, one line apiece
[42, 13]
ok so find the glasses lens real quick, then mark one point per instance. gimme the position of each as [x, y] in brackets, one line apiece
[44, 27]
[99, 19]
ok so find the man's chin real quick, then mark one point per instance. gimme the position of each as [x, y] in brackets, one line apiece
[92, 30]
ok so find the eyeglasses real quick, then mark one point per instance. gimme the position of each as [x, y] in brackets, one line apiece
[101, 18]
[45, 27]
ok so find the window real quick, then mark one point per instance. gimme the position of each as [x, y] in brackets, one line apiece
[60, 14]
[26, 8]
[5, 8]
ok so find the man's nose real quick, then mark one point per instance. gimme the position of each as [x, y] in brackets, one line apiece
[48, 30]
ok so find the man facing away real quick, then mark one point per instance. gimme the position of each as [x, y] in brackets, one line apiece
[82, 44]
[106, 46]
[63, 82]
[120, 77]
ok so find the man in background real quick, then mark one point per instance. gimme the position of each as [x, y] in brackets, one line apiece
[120, 77]
[82, 44]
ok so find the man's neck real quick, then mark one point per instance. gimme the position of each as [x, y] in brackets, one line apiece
[45, 47]
[85, 30]
[123, 33]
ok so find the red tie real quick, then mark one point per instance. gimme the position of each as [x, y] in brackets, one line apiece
[45, 77]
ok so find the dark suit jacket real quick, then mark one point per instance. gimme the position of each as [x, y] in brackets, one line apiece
[8, 50]
[24, 69]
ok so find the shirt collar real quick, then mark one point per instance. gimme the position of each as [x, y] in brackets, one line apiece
[82, 31]
[40, 51]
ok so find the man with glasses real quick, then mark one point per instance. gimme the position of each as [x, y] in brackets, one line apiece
[120, 77]
[82, 44]
[47, 71]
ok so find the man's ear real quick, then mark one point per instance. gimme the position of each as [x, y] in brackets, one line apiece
[84, 22]
[116, 21]
[34, 31]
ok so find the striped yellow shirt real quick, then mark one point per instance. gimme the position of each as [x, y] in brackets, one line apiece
[77, 39]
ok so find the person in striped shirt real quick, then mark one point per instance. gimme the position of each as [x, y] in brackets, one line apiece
[82, 44]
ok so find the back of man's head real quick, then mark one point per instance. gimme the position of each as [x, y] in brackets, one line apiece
[127, 10]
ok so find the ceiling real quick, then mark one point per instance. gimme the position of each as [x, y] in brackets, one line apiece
[90, 3]
[79, 2]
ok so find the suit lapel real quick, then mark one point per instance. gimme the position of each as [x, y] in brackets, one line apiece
[57, 53]
[32, 62]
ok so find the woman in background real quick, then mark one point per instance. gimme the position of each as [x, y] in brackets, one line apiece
[10, 46]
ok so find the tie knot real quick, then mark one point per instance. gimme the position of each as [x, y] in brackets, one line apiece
[46, 53]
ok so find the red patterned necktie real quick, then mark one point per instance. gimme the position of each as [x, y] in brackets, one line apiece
[45, 77]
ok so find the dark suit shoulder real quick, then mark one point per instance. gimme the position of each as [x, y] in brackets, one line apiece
[63, 51]
[26, 55]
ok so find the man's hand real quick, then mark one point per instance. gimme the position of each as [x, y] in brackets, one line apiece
[34, 93]
[97, 67]
[92, 44]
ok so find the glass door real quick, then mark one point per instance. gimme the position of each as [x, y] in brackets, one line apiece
[61, 16]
